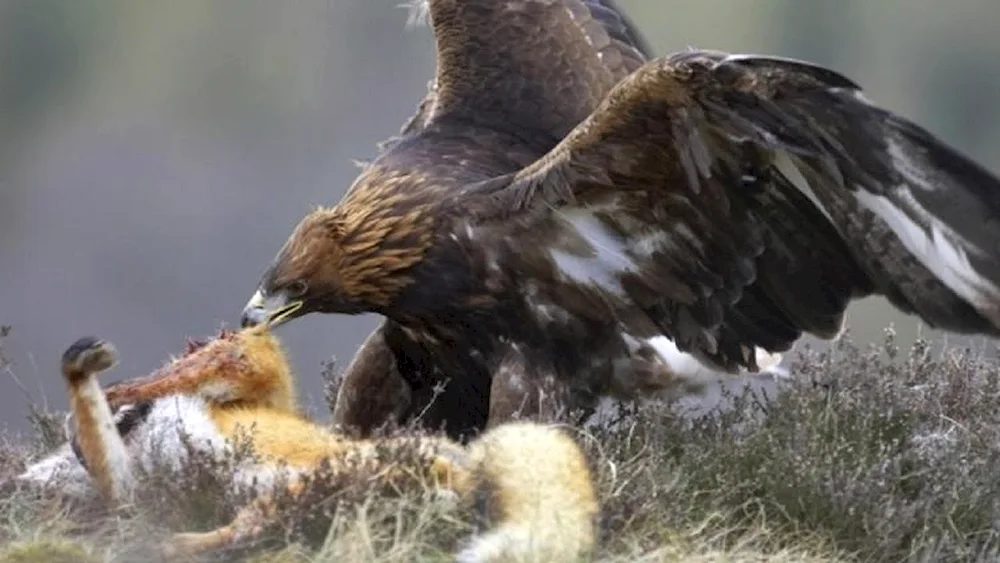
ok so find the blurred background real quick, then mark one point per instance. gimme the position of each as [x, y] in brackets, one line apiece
[155, 155]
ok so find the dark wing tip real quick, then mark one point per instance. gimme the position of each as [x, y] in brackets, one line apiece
[771, 68]
[823, 75]
[620, 26]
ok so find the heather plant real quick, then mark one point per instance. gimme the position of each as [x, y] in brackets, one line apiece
[877, 455]
[867, 454]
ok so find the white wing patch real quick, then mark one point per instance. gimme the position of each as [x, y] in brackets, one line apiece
[707, 382]
[688, 367]
[646, 246]
[419, 13]
[609, 260]
[783, 164]
[939, 249]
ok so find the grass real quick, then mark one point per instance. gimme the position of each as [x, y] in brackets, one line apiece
[871, 454]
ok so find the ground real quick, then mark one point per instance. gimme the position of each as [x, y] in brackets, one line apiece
[870, 454]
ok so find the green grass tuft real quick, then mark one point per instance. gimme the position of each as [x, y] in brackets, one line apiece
[47, 550]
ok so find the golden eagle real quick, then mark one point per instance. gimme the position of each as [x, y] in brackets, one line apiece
[564, 212]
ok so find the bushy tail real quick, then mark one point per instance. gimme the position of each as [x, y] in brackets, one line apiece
[536, 492]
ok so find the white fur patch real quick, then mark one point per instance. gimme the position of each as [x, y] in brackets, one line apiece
[506, 543]
[610, 257]
[179, 425]
[60, 469]
[175, 426]
[264, 478]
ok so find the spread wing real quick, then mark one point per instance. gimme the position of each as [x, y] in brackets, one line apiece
[525, 63]
[740, 200]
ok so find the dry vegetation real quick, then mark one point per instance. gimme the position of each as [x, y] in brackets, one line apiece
[871, 455]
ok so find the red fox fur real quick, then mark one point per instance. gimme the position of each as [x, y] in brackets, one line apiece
[540, 500]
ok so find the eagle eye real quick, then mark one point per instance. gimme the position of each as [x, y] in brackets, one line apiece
[296, 289]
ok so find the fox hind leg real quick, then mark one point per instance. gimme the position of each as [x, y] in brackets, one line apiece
[247, 526]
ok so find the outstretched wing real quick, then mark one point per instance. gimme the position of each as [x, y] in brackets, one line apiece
[740, 200]
[536, 64]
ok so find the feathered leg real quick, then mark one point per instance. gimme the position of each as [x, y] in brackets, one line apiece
[372, 393]
[521, 391]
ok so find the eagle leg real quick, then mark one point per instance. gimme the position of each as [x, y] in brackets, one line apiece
[522, 391]
[371, 393]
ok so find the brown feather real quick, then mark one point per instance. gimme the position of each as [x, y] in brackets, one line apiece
[596, 44]
[702, 149]
[561, 199]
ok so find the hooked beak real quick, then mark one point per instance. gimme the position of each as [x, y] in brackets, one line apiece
[274, 310]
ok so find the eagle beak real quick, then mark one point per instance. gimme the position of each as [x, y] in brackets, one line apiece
[274, 310]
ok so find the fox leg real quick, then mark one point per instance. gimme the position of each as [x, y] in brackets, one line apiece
[248, 524]
[102, 448]
[443, 463]
[446, 471]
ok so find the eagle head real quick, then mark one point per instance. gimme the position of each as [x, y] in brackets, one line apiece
[307, 274]
[349, 259]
